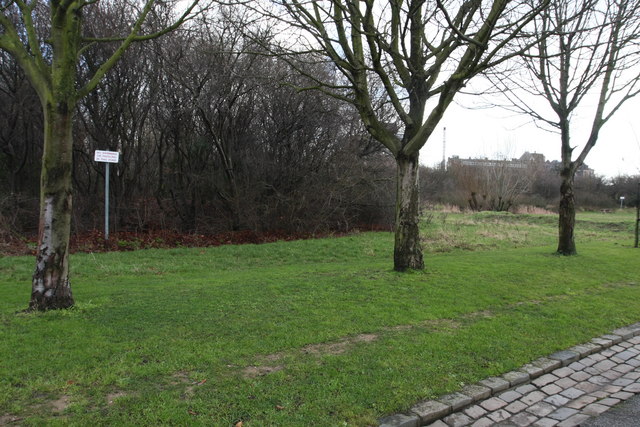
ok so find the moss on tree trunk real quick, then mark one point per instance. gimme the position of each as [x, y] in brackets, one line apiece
[50, 286]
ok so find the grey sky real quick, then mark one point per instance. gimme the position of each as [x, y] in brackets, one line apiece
[492, 132]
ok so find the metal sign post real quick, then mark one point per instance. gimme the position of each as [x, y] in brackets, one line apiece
[635, 245]
[107, 157]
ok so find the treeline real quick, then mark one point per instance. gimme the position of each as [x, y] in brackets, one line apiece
[501, 188]
[215, 135]
[212, 135]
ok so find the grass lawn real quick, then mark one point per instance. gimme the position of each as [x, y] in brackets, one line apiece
[317, 332]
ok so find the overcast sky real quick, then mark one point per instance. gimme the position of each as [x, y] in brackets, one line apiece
[497, 132]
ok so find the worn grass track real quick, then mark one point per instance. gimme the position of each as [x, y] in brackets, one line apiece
[317, 332]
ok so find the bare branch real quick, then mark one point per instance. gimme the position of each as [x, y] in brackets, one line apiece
[133, 36]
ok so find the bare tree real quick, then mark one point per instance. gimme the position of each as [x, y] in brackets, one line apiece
[407, 58]
[589, 58]
[231, 147]
[115, 117]
[47, 41]
[19, 152]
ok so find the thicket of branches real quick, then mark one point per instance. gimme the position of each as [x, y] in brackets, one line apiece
[505, 189]
[214, 137]
[211, 139]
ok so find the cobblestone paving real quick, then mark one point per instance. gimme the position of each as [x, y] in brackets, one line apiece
[561, 390]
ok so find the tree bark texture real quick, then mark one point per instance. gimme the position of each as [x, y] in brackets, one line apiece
[567, 216]
[50, 285]
[408, 250]
[51, 66]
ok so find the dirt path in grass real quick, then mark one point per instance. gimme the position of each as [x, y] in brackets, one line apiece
[267, 364]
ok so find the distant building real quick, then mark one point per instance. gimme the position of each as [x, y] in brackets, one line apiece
[527, 160]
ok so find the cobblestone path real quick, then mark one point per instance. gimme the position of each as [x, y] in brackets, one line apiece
[563, 389]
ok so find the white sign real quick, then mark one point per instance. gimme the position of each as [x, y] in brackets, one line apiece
[106, 156]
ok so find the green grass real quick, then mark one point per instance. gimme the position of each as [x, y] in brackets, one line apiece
[318, 332]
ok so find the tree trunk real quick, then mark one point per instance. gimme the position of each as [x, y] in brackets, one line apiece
[407, 251]
[567, 216]
[50, 286]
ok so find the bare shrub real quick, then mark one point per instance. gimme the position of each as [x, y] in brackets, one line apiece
[535, 210]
